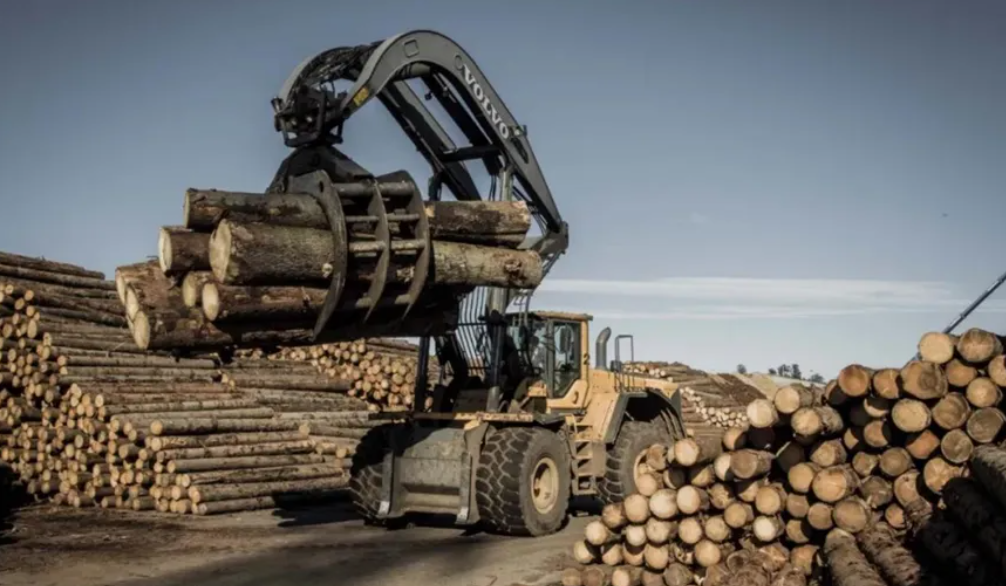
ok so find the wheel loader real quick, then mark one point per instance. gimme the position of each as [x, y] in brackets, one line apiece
[519, 421]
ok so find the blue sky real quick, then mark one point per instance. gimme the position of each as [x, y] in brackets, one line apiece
[755, 182]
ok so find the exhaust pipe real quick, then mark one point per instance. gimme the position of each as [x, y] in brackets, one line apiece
[601, 360]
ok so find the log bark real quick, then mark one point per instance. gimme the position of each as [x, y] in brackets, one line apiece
[848, 565]
[948, 546]
[478, 220]
[210, 464]
[895, 562]
[241, 450]
[49, 266]
[980, 517]
[988, 466]
[923, 380]
[55, 278]
[222, 492]
[855, 380]
[137, 361]
[264, 254]
[978, 346]
[937, 347]
[299, 472]
[207, 426]
[181, 250]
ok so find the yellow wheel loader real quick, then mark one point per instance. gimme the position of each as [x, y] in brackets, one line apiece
[519, 421]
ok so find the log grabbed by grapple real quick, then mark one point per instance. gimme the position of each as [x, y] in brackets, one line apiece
[371, 257]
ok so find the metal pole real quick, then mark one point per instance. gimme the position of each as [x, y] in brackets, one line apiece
[974, 305]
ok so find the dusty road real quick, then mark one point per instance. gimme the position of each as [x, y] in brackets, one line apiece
[51, 547]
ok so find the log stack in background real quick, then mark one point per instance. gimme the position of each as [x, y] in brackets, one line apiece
[708, 399]
[86, 418]
[382, 372]
[250, 270]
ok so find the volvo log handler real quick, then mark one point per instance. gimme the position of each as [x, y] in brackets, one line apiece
[519, 421]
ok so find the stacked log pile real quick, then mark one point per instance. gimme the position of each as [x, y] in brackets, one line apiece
[381, 372]
[712, 511]
[250, 270]
[867, 481]
[708, 399]
[86, 418]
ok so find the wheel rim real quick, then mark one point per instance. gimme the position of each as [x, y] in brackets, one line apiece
[545, 485]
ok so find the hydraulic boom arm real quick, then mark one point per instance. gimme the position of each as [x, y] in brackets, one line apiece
[311, 114]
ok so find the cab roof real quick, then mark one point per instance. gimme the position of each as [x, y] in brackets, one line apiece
[562, 315]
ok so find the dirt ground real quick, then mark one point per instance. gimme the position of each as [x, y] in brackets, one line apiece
[51, 546]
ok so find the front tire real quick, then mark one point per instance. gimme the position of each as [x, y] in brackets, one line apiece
[523, 482]
[634, 438]
[367, 471]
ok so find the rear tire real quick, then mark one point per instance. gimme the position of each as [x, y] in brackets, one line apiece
[366, 472]
[619, 480]
[523, 482]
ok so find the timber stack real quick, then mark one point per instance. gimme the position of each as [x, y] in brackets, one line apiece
[87, 418]
[381, 372]
[885, 476]
[708, 399]
[252, 270]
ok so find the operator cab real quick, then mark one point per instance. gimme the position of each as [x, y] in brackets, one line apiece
[550, 346]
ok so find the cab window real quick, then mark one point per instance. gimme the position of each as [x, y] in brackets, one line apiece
[566, 337]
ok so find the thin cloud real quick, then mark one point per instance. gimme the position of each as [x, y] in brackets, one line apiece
[711, 298]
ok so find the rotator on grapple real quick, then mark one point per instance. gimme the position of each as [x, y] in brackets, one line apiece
[511, 433]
